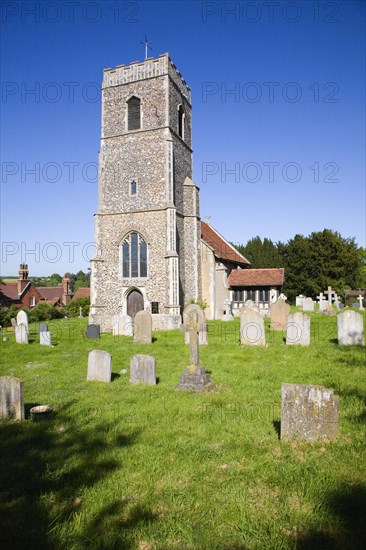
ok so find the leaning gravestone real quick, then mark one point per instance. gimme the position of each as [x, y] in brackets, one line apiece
[142, 369]
[93, 331]
[308, 412]
[142, 333]
[298, 329]
[203, 334]
[350, 328]
[21, 333]
[279, 313]
[11, 398]
[22, 317]
[308, 305]
[99, 366]
[252, 328]
[122, 325]
[45, 338]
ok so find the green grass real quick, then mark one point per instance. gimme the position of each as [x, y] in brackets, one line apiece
[147, 467]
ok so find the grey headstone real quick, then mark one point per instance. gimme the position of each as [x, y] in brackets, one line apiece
[308, 412]
[279, 313]
[300, 300]
[122, 325]
[21, 334]
[350, 328]
[13, 323]
[308, 305]
[355, 305]
[252, 331]
[99, 366]
[93, 331]
[298, 329]
[142, 333]
[11, 398]
[142, 369]
[45, 338]
[203, 334]
[42, 327]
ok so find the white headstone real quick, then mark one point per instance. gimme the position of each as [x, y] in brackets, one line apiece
[99, 366]
[45, 338]
[308, 305]
[322, 301]
[22, 317]
[21, 333]
[350, 328]
[360, 299]
[330, 293]
[298, 329]
[122, 325]
[300, 300]
[252, 331]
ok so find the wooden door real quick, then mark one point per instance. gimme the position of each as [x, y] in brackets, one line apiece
[135, 303]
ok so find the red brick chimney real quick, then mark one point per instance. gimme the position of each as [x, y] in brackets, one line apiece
[66, 295]
[23, 278]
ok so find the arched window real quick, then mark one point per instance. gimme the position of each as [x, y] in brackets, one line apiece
[134, 256]
[181, 121]
[134, 113]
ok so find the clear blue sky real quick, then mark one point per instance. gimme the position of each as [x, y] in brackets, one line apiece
[292, 132]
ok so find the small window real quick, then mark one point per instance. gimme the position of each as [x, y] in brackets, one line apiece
[133, 188]
[134, 113]
[181, 121]
[32, 301]
[154, 308]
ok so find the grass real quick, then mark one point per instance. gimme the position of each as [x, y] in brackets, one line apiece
[147, 467]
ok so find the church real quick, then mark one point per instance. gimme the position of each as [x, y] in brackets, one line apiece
[152, 251]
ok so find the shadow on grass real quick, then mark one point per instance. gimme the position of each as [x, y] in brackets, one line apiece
[44, 469]
[277, 427]
[348, 504]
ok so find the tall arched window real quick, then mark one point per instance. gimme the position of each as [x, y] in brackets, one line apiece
[181, 121]
[134, 113]
[134, 256]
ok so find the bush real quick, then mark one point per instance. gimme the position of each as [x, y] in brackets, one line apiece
[43, 312]
[73, 308]
[6, 314]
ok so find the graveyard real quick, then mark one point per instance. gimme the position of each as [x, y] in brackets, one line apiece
[126, 464]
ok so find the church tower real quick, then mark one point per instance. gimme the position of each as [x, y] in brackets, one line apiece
[147, 228]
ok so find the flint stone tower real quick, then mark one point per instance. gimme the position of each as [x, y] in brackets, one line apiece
[147, 228]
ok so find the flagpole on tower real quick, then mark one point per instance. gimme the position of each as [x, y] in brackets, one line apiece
[147, 45]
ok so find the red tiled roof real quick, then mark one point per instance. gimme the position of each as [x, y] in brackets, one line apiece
[82, 292]
[51, 292]
[257, 277]
[52, 301]
[9, 292]
[222, 249]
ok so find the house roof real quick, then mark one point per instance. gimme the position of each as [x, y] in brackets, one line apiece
[50, 292]
[9, 292]
[221, 248]
[82, 292]
[257, 277]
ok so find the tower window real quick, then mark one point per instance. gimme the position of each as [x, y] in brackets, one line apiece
[134, 113]
[134, 256]
[133, 188]
[181, 121]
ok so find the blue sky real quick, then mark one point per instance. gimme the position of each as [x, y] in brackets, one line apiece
[278, 116]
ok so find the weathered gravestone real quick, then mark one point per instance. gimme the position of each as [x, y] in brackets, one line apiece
[11, 398]
[308, 412]
[203, 334]
[252, 331]
[298, 329]
[21, 333]
[99, 366]
[142, 369]
[22, 317]
[122, 325]
[228, 316]
[195, 377]
[13, 323]
[93, 331]
[350, 328]
[299, 300]
[45, 338]
[279, 313]
[249, 304]
[308, 305]
[142, 331]
[42, 327]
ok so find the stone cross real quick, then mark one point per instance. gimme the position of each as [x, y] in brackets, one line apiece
[336, 300]
[80, 312]
[360, 298]
[193, 326]
[330, 293]
[321, 299]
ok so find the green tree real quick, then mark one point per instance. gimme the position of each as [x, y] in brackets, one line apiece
[261, 254]
[73, 308]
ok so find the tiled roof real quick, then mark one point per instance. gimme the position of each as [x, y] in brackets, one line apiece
[257, 277]
[9, 292]
[82, 292]
[222, 249]
[50, 292]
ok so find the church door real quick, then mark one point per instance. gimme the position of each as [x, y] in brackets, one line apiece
[135, 303]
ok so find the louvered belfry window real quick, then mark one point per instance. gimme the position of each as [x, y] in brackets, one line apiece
[134, 113]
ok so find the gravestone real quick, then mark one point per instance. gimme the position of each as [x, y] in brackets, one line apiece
[350, 328]
[299, 300]
[93, 331]
[22, 317]
[228, 316]
[279, 313]
[360, 299]
[329, 310]
[122, 325]
[308, 412]
[195, 377]
[336, 301]
[322, 301]
[42, 327]
[355, 305]
[13, 323]
[203, 335]
[330, 293]
[80, 312]
[99, 366]
[142, 369]
[21, 334]
[308, 305]
[298, 329]
[11, 398]
[45, 338]
[142, 333]
[252, 331]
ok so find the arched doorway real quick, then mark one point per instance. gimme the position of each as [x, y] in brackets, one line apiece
[135, 303]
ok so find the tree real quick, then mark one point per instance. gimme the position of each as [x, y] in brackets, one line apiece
[261, 254]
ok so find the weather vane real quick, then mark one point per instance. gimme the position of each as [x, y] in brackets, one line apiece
[147, 45]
